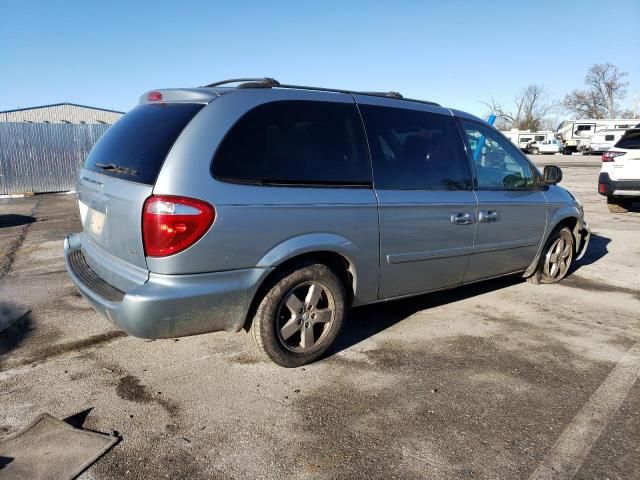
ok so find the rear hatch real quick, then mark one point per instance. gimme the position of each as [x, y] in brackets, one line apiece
[116, 179]
[627, 166]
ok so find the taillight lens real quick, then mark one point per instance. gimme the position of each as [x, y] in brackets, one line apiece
[171, 224]
[609, 156]
[154, 96]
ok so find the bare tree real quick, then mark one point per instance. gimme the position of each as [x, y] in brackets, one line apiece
[627, 113]
[504, 120]
[605, 87]
[532, 105]
[550, 123]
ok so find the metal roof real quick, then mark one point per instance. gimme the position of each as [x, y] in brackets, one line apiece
[58, 105]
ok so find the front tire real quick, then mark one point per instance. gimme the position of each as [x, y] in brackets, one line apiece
[556, 257]
[619, 205]
[535, 151]
[300, 316]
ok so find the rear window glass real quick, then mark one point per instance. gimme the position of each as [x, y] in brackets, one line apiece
[296, 142]
[630, 140]
[135, 147]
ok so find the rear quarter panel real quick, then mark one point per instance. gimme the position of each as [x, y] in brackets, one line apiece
[265, 225]
[625, 167]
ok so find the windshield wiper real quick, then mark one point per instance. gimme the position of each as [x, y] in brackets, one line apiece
[117, 168]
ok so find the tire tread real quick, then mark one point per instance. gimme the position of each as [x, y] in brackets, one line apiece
[262, 329]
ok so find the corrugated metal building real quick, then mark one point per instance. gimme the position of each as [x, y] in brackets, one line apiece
[62, 113]
[41, 148]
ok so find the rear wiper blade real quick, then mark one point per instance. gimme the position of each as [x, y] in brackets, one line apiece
[117, 168]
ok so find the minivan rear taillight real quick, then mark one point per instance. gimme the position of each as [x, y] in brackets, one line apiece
[610, 156]
[171, 224]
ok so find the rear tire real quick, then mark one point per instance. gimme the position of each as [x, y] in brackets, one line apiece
[555, 260]
[619, 205]
[300, 316]
[535, 151]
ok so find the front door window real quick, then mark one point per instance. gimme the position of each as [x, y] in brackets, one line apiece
[499, 166]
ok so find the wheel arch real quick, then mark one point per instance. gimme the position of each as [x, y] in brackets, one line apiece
[330, 250]
[574, 223]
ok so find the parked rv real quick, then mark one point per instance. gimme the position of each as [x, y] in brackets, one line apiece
[522, 138]
[604, 140]
[576, 135]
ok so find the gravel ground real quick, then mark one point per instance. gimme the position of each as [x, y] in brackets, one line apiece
[501, 379]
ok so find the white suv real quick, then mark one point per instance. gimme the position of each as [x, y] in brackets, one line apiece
[620, 175]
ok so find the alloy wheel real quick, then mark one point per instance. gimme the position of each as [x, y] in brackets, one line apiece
[305, 316]
[558, 258]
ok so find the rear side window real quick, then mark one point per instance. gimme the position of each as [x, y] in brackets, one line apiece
[630, 140]
[296, 142]
[135, 147]
[415, 150]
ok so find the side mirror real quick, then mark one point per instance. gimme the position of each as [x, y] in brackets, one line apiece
[551, 175]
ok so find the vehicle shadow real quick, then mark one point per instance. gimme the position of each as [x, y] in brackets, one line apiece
[596, 249]
[15, 220]
[4, 461]
[367, 321]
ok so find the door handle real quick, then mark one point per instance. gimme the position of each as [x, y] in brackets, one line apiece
[489, 216]
[461, 218]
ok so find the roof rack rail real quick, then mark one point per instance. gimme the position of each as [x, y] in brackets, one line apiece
[267, 82]
[263, 82]
[391, 94]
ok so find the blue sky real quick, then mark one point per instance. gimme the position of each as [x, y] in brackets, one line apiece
[106, 53]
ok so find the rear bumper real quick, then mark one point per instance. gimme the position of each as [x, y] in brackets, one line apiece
[168, 305]
[617, 188]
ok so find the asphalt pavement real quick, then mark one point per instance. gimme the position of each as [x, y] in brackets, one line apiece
[500, 379]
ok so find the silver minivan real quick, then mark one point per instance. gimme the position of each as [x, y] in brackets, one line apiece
[250, 204]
